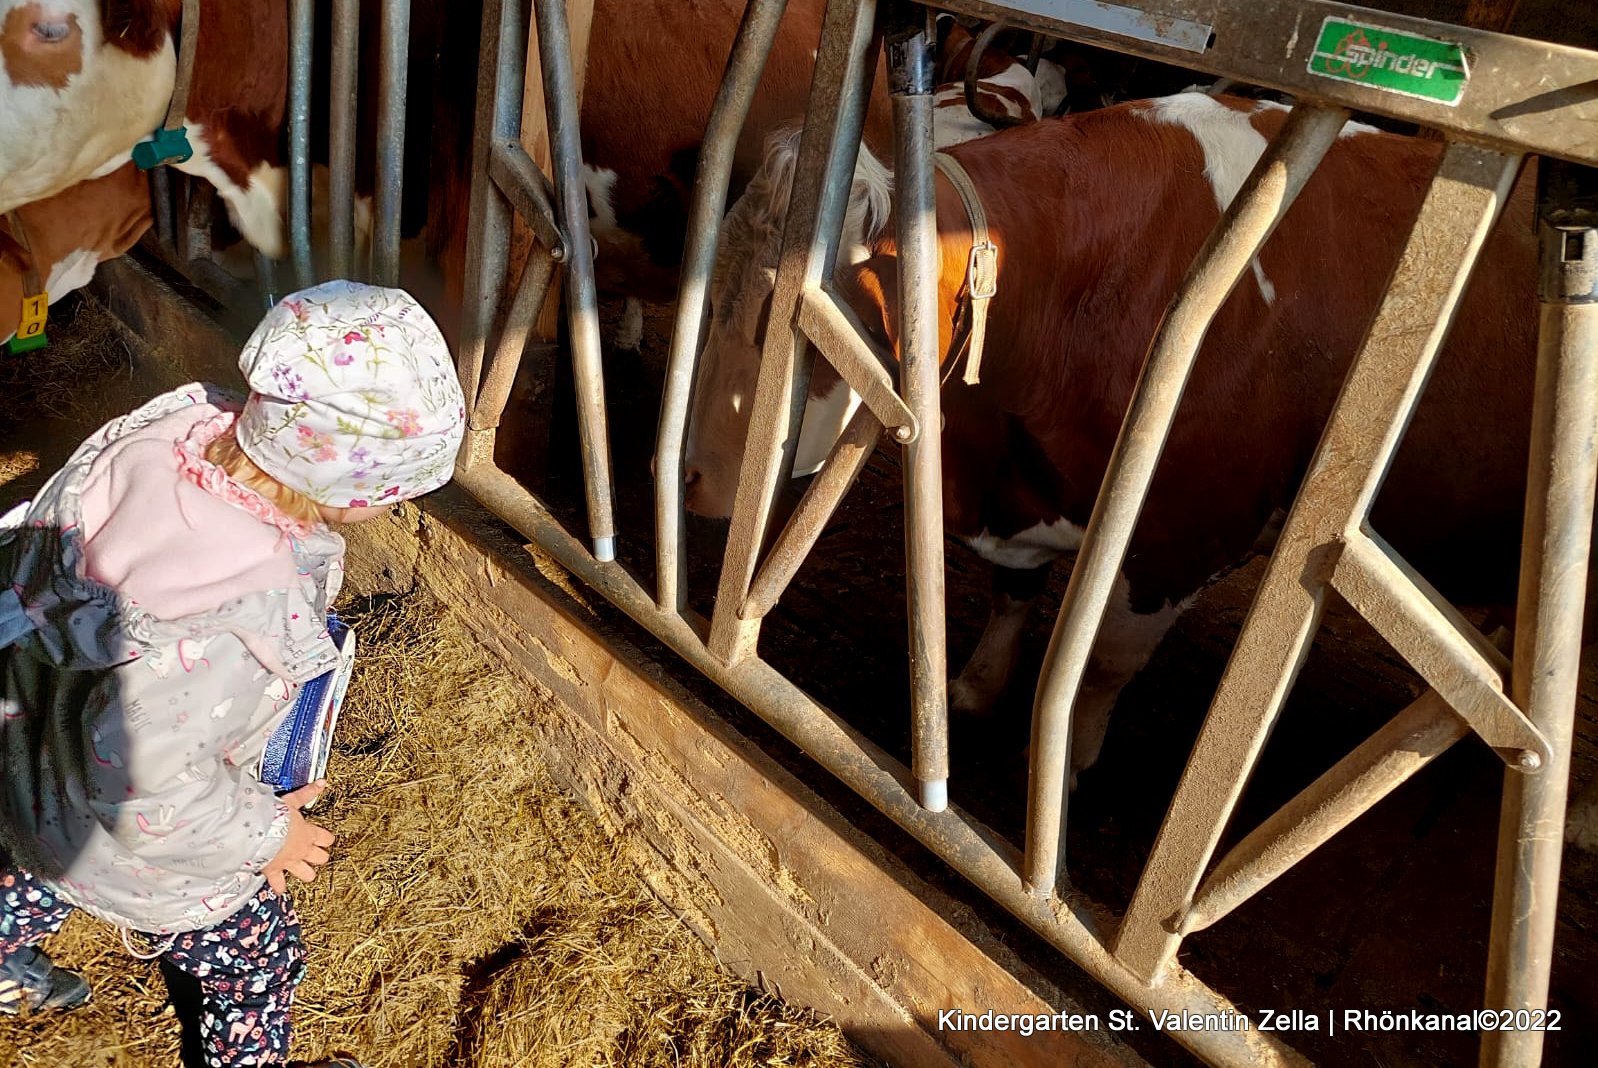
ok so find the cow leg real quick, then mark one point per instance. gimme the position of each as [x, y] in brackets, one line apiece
[630, 332]
[987, 673]
[1126, 641]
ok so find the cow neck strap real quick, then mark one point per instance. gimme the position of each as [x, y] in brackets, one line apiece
[188, 44]
[982, 266]
[32, 285]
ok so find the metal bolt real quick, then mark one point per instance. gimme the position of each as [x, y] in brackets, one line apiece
[903, 434]
[1528, 760]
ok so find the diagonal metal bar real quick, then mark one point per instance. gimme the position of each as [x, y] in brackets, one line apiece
[837, 335]
[745, 65]
[500, 377]
[823, 173]
[1264, 198]
[849, 456]
[1370, 416]
[529, 192]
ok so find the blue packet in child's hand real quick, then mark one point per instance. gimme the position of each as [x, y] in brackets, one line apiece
[296, 754]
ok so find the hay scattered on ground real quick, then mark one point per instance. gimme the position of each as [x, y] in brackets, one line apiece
[474, 915]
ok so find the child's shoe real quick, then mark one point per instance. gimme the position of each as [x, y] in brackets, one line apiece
[30, 983]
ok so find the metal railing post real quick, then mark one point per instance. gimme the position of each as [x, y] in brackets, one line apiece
[910, 37]
[344, 92]
[302, 30]
[394, 77]
[1553, 593]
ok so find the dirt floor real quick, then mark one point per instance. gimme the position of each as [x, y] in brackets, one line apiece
[473, 916]
[1392, 914]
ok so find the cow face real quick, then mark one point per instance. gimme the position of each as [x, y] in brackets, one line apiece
[741, 290]
[81, 81]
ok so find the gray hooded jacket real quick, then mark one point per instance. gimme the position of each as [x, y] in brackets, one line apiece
[128, 742]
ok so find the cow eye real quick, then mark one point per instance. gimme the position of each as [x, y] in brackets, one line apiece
[51, 32]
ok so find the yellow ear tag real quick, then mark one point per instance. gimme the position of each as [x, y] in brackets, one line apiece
[30, 331]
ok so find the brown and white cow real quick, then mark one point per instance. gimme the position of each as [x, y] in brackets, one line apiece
[1097, 217]
[69, 235]
[85, 80]
[1004, 87]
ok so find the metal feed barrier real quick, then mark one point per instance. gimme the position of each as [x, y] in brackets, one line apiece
[183, 205]
[1518, 98]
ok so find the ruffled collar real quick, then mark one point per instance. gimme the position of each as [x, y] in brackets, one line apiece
[212, 479]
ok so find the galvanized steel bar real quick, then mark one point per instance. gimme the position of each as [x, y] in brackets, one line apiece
[529, 192]
[1438, 642]
[500, 377]
[501, 63]
[1520, 95]
[823, 175]
[1553, 588]
[1381, 390]
[712, 176]
[837, 334]
[1264, 198]
[910, 40]
[961, 841]
[847, 458]
[302, 29]
[161, 208]
[1381, 764]
[344, 92]
[393, 81]
[582, 298]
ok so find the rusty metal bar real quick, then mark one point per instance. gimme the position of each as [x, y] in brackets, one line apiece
[302, 32]
[823, 174]
[848, 457]
[1381, 390]
[500, 377]
[529, 193]
[1438, 642]
[498, 119]
[582, 298]
[343, 96]
[394, 76]
[837, 334]
[712, 177]
[1248, 221]
[1385, 761]
[910, 42]
[963, 842]
[1553, 587]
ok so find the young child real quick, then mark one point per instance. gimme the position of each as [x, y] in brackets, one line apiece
[160, 603]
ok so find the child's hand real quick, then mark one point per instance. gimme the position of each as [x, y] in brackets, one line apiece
[306, 845]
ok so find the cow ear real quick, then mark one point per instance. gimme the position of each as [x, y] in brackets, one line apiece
[871, 289]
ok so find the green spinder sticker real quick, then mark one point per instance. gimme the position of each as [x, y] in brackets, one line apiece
[1390, 61]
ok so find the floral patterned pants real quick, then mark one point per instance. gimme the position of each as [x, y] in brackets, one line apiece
[247, 966]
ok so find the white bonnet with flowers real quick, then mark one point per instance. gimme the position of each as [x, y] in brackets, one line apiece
[354, 400]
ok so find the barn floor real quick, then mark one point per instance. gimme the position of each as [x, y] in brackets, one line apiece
[1392, 914]
[474, 916]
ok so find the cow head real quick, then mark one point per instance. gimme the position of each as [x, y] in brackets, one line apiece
[81, 81]
[741, 291]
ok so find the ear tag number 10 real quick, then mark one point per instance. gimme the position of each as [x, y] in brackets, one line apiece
[30, 331]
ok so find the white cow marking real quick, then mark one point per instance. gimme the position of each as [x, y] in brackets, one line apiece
[824, 421]
[72, 271]
[600, 182]
[1231, 147]
[256, 208]
[1032, 547]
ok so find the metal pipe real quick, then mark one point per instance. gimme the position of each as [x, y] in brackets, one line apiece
[1260, 204]
[582, 298]
[266, 278]
[501, 374]
[745, 65]
[968, 846]
[847, 458]
[1383, 762]
[161, 208]
[500, 74]
[910, 39]
[393, 74]
[302, 32]
[1553, 587]
[823, 176]
[1380, 391]
[344, 90]
[529, 193]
